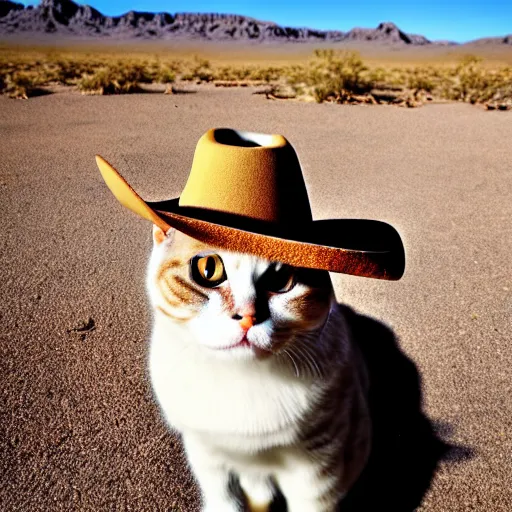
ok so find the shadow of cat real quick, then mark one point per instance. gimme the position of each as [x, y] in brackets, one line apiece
[406, 450]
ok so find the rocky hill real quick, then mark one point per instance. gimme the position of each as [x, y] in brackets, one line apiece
[66, 18]
[492, 40]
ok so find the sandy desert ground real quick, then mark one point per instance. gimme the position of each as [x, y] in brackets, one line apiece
[79, 429]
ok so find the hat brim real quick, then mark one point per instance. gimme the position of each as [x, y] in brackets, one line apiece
[366, 248]
[350, 246]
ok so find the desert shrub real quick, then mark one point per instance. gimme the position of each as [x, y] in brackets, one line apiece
[343, 71]
[169, 70]
[297, 75]
[158, 72]
[176, 66]
[471, 82]
[230, 73]
[267, 74]
[200, 70]
[203, 71]
[21, 85]
[397, 76]
[378, 76]
[166, 76]
[332, 76]
[51, 68]
[224, 73]
[243, 74]
[69, 71]
[248, 73]
[119, 78]
[323, 93]
[421, 79]
[63, 71]
[152, 68]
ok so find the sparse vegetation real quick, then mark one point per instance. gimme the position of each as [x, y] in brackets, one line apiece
[471, 82]
[20, 84]
[342, 77]
[329, 76]
[118, 78]
[200, 71]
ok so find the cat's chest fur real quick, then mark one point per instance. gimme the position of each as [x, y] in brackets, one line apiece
[242, 405]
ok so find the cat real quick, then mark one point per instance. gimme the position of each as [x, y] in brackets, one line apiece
[251, 361]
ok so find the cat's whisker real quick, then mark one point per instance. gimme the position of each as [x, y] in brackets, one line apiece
[307, 362]
[303, 357]
[293, 361]
[305, 349]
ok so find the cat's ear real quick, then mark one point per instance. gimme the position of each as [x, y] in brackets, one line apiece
[159, 235]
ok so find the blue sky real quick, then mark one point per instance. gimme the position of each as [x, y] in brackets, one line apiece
[456, 20]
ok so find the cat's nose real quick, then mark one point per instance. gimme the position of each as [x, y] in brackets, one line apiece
[246, 322]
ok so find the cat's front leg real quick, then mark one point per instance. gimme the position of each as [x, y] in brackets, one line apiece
[212, 476]
[309, 488]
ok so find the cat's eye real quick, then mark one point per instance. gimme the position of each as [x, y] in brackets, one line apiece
[208, 270]
[278, 278]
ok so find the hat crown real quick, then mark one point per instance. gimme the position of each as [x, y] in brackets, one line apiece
[253, 175]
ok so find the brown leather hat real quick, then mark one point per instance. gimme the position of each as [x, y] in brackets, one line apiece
[246, 193]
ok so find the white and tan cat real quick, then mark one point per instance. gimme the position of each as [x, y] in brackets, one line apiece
[252, 362]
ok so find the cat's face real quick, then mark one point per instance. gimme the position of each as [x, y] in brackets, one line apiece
[235, 305]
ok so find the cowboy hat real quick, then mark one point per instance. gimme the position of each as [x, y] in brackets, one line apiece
[246, 193]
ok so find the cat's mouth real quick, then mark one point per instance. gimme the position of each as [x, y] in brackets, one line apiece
[246, 344]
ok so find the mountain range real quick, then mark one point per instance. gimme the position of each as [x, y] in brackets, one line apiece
[67, 18]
